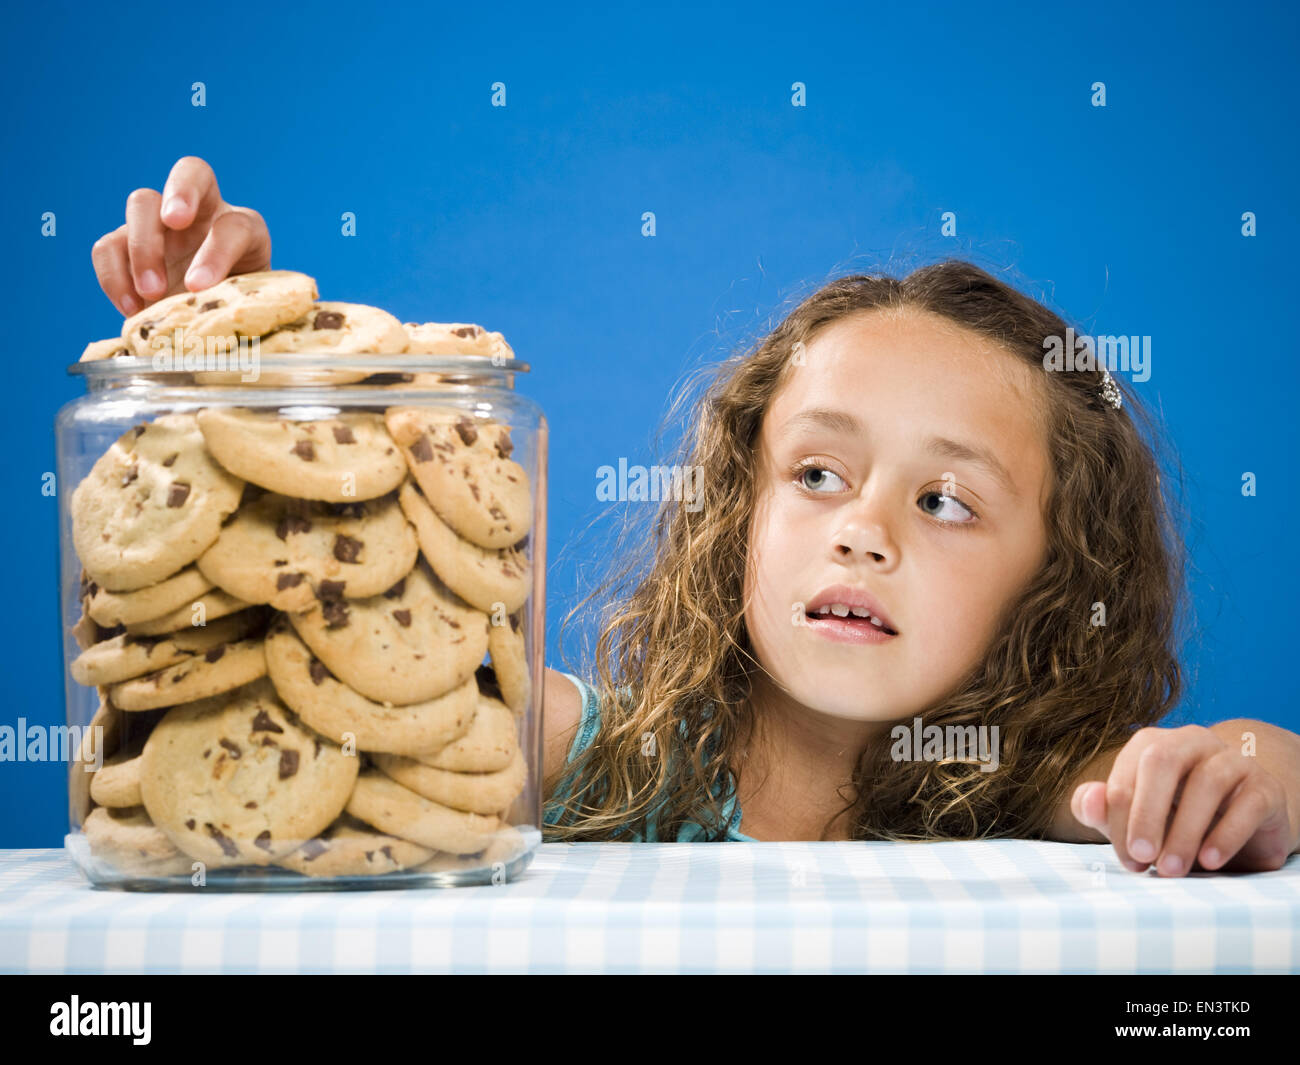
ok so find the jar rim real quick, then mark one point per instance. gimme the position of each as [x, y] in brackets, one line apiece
[124, 366]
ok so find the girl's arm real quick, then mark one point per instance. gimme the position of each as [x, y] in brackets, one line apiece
[561, 715]
[1245, 772]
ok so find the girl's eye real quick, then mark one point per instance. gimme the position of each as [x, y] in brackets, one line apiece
[805, 470]
[934, 504]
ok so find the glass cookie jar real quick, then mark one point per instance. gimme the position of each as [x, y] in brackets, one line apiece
[303, 611]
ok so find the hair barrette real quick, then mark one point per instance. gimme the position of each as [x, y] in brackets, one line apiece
[1109, 390]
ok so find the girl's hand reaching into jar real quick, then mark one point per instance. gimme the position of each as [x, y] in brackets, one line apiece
[186, 237]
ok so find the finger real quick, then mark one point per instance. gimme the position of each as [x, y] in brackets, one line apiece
[238, 242]
[1088, 804]
[113, 269]
[144, 243]
[1247, 808]
[1208, 787]
[1162, 767]
[190, 193]
[1120, 786]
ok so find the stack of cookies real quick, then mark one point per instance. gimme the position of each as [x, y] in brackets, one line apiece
[286, 612]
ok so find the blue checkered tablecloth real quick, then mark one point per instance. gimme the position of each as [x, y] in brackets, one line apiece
[1003, 906]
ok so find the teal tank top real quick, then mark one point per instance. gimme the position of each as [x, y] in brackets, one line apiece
[587, 728]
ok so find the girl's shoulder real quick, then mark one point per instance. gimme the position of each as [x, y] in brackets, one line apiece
[589, 725]
[589, 722]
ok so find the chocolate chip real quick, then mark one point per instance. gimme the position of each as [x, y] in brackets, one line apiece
[280, 562]
[190, 823]
[316, 668]
[263, 723]
[305, 450]
[139, 429]
[328, 320]
[335, 612]
[346, 510]
[291, 523]
[211, 305]
[347, 549]
[466, 431]
[288, 580]
[396, 590]
[504, 444]
[387, 850]
[214, 653]
[522, 545]
[330, 590]
[468, 331]
[227, 845]
[179, 492]
[343, 435]
[288, 764]
[497, 513]
[144, 329]
[473, 487]
[420, 450]
[313, 848]
[403, 618]
[231, 746]
[189, 302]
[171, 458]
[263, 840]
[486, 678]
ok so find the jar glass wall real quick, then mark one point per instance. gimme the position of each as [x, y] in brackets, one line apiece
[303, 609]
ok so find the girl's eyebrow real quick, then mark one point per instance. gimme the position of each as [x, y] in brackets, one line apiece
[844, 422]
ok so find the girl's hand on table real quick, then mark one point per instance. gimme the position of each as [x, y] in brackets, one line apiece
[1183, 795]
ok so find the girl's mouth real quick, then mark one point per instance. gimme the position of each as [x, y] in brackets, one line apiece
[849, 626]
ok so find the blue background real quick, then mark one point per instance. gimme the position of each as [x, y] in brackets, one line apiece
[527, 219]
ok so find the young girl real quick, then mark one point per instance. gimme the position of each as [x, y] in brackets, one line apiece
[906, 526]
[897, 446]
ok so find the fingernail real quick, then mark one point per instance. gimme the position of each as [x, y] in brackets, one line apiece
[130, 305]
[1212, 856]
[199, 277]
[1142, 850]
[150, 281]
[1171, 865]
[173, 205]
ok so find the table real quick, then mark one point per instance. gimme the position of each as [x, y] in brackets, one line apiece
[1002, 906]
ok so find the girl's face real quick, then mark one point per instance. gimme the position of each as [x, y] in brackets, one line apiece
[902, 458]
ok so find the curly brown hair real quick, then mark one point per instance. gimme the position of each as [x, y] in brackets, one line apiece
[673, 662]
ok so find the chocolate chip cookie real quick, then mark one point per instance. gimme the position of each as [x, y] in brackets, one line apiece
[295, 554]
[245, 305]
[238, 779]
[463, 465]
[492, 579]
[342, 459]
[414, 642]
[152, 503]
[380, 801]
[335, 710]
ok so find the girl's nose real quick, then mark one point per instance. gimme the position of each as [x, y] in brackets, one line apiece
[869, 541]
